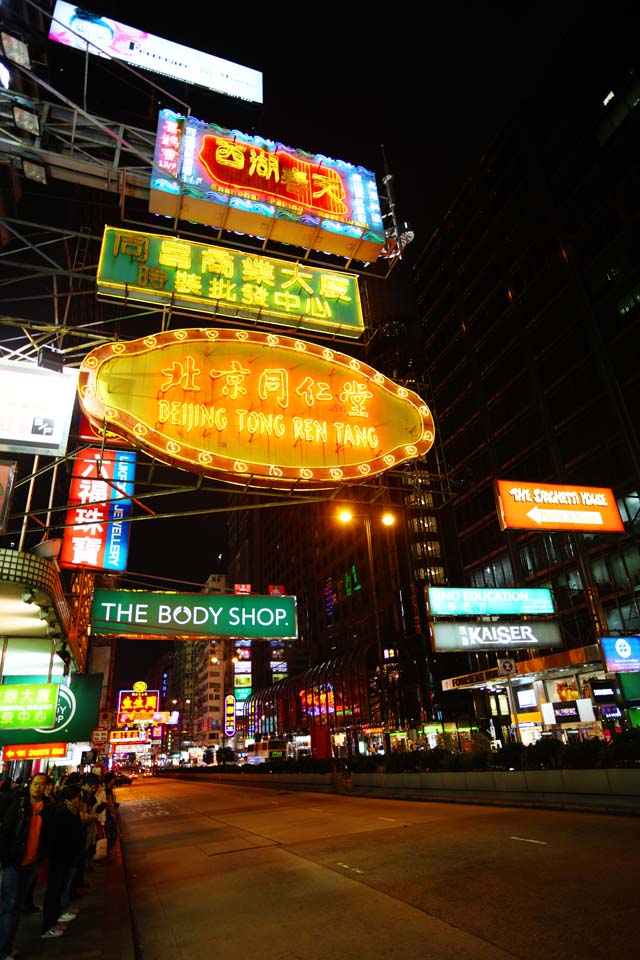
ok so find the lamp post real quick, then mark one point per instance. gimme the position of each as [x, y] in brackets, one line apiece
[387, 519]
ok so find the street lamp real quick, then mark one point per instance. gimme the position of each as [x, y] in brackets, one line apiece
[387, 519]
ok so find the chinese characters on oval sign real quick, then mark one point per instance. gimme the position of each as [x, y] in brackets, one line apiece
[228, 283]
[254, 408]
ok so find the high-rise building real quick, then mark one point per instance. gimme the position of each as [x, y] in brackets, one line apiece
[529, 303]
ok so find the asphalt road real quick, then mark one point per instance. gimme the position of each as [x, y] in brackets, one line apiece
[223, 871]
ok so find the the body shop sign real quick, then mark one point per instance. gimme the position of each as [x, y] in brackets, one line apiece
[254, 408]
[223, 282]
[136, 613]
[237, 181]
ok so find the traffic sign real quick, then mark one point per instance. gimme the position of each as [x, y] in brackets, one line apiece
[506, 667]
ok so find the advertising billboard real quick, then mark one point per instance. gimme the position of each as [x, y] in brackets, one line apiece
[76, 715]
[237, 181]
[97, 526]
[621, 654]
[138, 613]
[36, 407]
[227, 283]
[472, 601]
[556, 506]
[495, 636]
[253, 408]
[104, 37]
[25, 705]
[134, 706]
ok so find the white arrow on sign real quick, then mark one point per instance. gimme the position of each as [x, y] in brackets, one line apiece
[593, 517]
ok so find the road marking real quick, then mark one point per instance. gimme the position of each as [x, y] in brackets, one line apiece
[390, 819]
[527, 840]
[317, 809]
[352, 869]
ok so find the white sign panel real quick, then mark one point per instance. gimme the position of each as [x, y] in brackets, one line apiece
[481, 635]
[36, 406]
[108, 38]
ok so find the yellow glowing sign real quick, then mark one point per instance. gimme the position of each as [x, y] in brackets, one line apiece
[254, 408]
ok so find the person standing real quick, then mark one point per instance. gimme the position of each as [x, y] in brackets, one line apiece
[65, 851]
[24, 835]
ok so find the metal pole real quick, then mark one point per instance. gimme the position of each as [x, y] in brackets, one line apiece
[384, 706]
[513, 711]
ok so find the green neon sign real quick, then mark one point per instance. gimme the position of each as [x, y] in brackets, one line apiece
[26, 705]
[228, 283]
[136, 613]
[478, 602]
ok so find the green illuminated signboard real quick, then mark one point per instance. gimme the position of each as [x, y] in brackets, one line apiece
[469, 601]
[136, 613]
[228, 283]
[26, 705]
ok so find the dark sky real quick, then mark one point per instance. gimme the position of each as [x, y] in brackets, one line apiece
[431, 83]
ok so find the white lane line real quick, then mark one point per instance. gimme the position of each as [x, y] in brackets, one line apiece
[390, 819]
[317, 809]
[527, 840]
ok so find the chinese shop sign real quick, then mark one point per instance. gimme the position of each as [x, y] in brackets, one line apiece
[229, 716]
[228, 283]
[138, 613]
[254, 408]
[25, 705]
[128, 736]
[76, 714]
[133, 706]
[225, 178]
[34, 751]
[97, 530]
[547, 506]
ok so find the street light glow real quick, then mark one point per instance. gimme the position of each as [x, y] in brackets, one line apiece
[345, 516]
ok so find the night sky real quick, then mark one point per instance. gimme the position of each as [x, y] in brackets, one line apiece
[433, 84]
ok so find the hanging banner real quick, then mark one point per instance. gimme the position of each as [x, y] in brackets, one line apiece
[97, 531]
[138, 613]
[223, 282]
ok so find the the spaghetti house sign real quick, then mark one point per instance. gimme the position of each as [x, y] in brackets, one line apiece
[254, 408]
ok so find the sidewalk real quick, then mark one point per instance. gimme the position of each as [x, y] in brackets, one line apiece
[102, 930]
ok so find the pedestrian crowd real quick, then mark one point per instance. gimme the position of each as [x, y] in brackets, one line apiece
[50, 835]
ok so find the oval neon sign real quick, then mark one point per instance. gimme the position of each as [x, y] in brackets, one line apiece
[254, 408]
